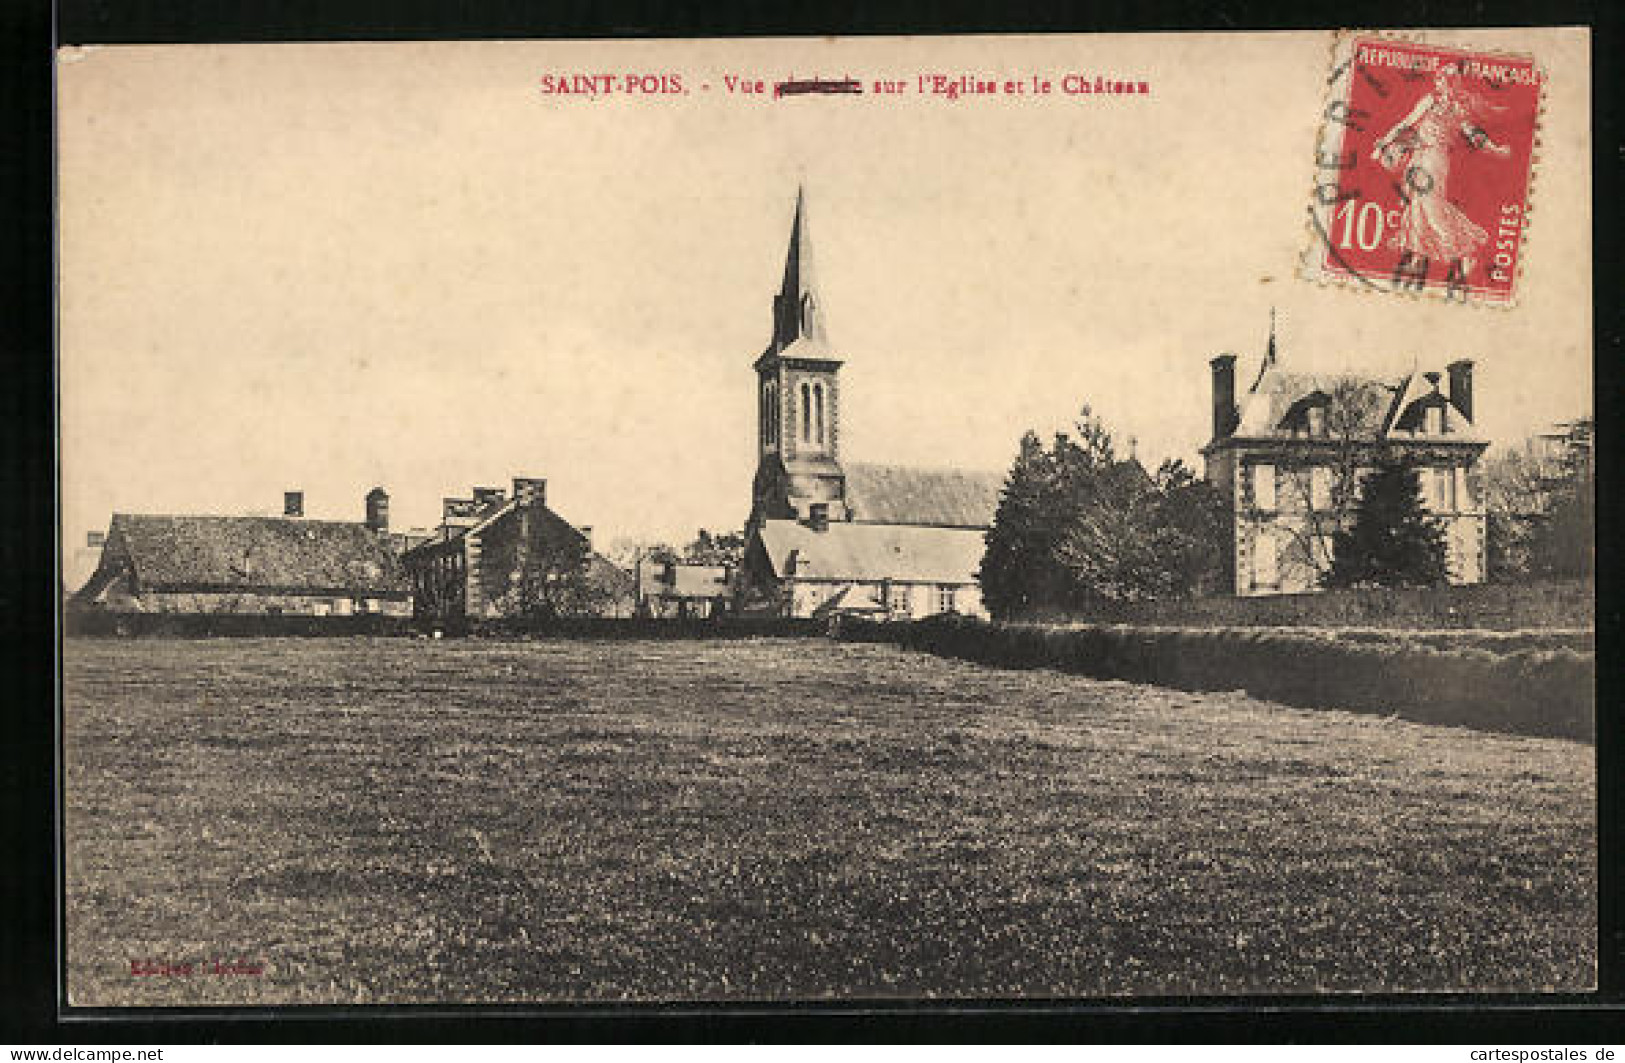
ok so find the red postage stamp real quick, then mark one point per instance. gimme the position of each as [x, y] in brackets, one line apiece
[1423, 170]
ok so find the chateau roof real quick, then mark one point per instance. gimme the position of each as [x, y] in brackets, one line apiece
[1277, 393]
[873, 552]
[262, 554]
[943, 498]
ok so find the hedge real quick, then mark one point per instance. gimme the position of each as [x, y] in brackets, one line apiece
[1549, 693]
[94, 623]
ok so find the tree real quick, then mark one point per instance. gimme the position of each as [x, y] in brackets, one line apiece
[1564, 543]
[1020, 570]
[558, 578]
[1351, 413]
[1392, 541]
[628, 552]
[718, 548]
[1077, 529]
[1540, 502]
[1193, 521]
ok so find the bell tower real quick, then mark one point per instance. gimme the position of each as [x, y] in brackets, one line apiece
[798, 398]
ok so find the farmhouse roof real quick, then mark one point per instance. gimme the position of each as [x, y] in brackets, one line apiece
[942, 498]
[257, 554]
[872, 552]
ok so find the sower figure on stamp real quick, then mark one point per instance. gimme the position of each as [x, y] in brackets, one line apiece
[1431, 226]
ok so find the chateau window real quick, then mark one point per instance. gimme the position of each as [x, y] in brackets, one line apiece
[1266, 560]
[806, 414]
[1264, 486]
[1442, 493]
[1320, 487]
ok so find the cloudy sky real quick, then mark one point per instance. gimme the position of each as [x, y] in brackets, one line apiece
[332, 266]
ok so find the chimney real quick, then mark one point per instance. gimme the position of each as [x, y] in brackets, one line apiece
[528, 490]
[1224, 395]
[1461, 386]
[293, 503]
[488, 496]
[378, 510]
[818, 516]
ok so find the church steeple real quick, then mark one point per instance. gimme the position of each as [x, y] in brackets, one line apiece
[796, 313]
[798, 399]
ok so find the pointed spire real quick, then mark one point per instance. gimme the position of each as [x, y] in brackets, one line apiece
[1270, 355]
[796, 313]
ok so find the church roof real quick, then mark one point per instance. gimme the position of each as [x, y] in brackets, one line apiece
[261, 554]
[943, 498]
[873, 552]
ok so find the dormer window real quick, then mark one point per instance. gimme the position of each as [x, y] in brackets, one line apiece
[1316, 418]
[1433, 419]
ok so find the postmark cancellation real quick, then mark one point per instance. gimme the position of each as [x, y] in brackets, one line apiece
[1423, 170]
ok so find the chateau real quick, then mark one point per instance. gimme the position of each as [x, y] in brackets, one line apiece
[825, 536]
[1290, 451]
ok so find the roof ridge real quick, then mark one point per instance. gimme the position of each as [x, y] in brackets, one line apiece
[237, 516]
[961, 470]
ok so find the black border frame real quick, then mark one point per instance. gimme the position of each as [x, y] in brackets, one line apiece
[28, 610]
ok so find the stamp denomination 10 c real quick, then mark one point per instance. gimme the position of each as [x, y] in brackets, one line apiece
[1423, 169]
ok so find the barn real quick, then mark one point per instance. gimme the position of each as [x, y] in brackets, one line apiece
[265, 565]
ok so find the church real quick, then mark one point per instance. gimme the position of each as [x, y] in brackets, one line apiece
[826, 536]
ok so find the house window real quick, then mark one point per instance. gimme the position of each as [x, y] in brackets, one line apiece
[1434, 420]
[945, 598]
[1320, 487]
[1264, 486]
[1317, 420]
[897, 598]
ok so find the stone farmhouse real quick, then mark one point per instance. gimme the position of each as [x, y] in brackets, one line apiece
[826, 536]
[500, 556]
[266, 565]
[676, 589]
[1289, 452]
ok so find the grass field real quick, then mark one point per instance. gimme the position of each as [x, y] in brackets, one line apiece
[400, 820]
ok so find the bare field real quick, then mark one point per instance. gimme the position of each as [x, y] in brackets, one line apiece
[407, 821]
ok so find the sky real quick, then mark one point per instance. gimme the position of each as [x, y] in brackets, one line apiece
[328, 267]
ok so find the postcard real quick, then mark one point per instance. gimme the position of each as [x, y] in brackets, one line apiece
[1081, 517]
